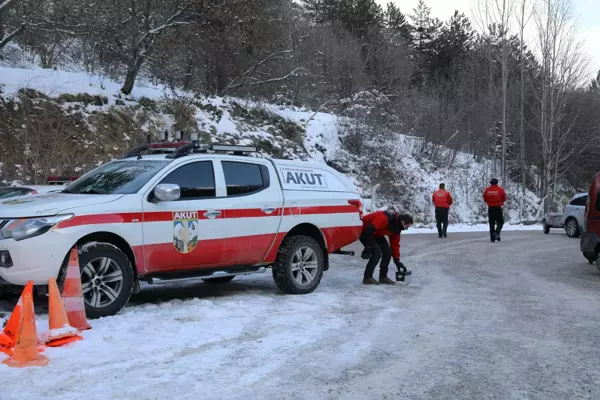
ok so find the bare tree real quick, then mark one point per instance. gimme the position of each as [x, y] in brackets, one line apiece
[143, 41]
[498, 13]
[562, 71]
[523, 15]
[5, 38]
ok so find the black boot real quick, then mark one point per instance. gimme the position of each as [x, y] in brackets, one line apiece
[370, 281]
[386, 281]
[498, 236]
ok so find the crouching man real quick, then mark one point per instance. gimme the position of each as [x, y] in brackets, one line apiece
[376, 226]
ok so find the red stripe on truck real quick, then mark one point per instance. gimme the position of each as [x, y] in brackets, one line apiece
[336, 238]
[220, 253]
[165, 216]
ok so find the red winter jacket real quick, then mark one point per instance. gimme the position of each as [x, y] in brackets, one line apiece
[494, 196]
[385, 224]
[442, 199]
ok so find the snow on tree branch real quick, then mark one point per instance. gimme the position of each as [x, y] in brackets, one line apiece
[11, 36]
[5, 4]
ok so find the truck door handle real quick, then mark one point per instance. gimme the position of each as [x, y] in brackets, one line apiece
[212, 214]
[268, 210]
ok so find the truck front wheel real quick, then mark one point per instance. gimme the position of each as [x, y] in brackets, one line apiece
[106, 278]
[299, 266]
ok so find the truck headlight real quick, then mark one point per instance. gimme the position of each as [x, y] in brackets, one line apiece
[25, 228]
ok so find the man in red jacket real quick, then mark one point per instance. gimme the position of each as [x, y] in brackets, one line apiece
[495, 196]
[442, 200]
[376, 226]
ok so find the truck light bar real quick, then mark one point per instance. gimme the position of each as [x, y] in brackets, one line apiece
[183, 148]
[225, 147]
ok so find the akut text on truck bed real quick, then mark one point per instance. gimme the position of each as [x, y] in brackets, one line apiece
[182, 210]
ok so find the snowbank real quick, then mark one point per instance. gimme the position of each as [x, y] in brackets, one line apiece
[56, 82]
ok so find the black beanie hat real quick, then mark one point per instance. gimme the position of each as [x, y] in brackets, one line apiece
[494, 181]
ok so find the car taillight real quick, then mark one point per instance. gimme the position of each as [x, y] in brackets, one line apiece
[358, 204]
[34, 192]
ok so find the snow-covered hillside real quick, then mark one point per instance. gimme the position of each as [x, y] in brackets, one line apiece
[104, 123]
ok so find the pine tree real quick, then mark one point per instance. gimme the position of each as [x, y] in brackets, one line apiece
[595, 85]
[395, 21]
[424, 34]
[452, 47]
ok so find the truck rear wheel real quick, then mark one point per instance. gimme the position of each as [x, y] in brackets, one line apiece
[299, 266]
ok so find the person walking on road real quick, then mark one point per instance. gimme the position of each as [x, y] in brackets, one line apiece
[442, 200]
[376, 226]
[495, 197]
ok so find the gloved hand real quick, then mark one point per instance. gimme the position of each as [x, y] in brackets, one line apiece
[399, 265]
[366, 253]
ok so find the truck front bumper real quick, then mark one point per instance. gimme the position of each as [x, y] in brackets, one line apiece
[37, 259]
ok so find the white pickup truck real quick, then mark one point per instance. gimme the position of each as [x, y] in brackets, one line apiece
[180, 211]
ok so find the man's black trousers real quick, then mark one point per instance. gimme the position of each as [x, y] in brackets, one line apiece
[381, 250]
[496, 220]
[441, 219]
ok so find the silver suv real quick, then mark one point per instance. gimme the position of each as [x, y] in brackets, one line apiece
[571, 219]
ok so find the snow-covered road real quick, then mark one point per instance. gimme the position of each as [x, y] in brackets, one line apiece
[512, 320]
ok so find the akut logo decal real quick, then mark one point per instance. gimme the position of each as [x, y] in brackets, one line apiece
[303, 178]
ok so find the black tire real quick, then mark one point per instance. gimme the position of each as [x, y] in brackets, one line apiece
[282, 268]
[572, 232]
[217, 281]
[92, 253]
[546, 228]
[591, 257]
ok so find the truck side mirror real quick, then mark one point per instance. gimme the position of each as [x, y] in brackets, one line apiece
[167, 192]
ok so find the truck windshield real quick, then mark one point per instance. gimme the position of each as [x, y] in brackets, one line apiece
[118, 177]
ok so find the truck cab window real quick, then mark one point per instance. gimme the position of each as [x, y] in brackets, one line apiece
[244, 178]
[196, 180]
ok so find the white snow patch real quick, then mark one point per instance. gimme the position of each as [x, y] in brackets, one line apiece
[56, 333]
[56, 82]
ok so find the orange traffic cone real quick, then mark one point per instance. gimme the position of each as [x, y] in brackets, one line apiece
[14, 321]
[12, 326]
[73, 295]
[26, 351]
[6, 344]
[60, 332]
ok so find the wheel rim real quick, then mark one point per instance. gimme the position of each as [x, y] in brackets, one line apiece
[101, 282]
[571, 228]
[304, 265]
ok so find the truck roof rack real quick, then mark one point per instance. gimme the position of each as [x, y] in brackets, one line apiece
[178, 149]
